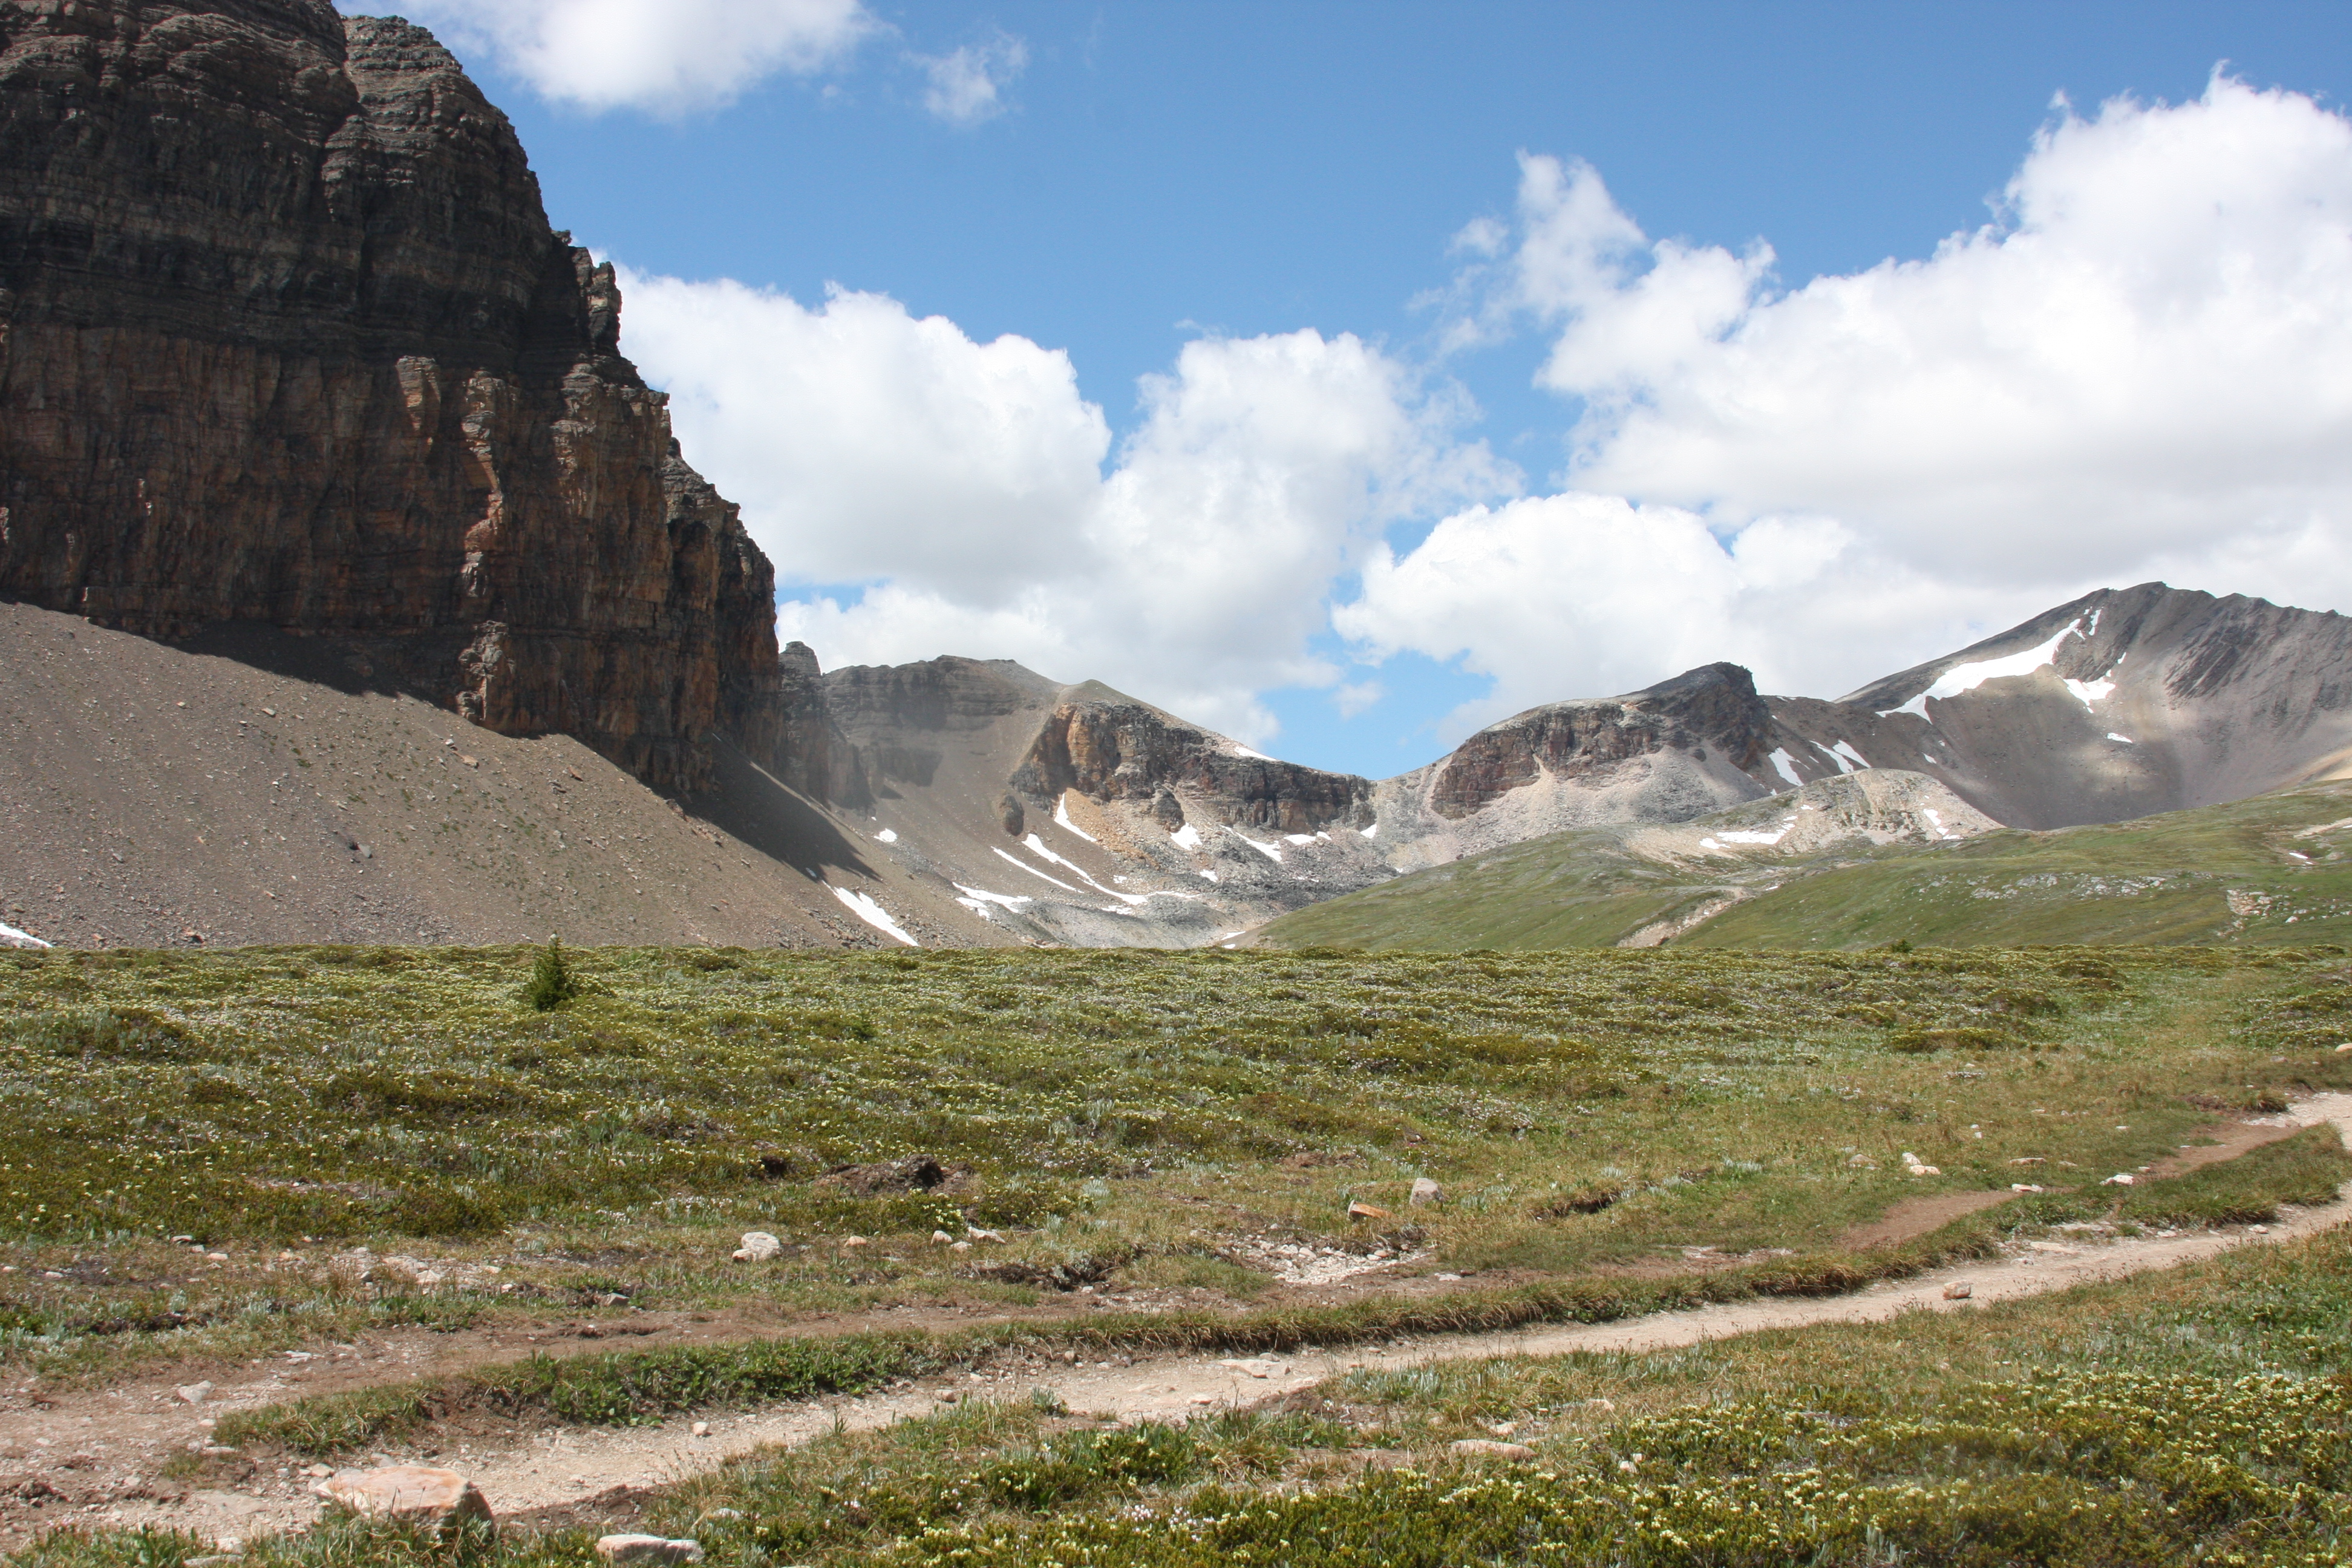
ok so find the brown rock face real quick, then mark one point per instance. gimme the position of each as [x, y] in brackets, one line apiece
[1715, 705]
[1116, 748]
[285, 337]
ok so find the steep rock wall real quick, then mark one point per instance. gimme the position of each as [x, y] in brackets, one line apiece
[285, 337]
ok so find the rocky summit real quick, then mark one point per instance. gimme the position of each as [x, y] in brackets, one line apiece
[286, 340]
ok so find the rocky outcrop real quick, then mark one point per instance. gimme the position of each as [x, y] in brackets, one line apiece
[1714, 706]
[286, 338]
[1114, 749]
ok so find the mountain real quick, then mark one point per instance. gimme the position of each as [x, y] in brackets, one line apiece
[2119, 704]
[287, 342]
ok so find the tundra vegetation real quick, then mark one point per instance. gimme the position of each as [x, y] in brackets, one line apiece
[1148, 1132]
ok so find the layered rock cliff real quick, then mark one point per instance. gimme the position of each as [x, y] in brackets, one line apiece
[286, 337]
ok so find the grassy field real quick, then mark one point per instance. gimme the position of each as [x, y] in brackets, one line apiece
[1613, 1132]
[1126, 1121]
[2240, 874]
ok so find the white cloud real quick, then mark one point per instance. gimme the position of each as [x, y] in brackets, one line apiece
[965, 483]
[967, 87]
[667, 55]
[2143, 369]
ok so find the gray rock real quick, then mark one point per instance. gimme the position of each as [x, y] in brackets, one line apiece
[621, 1550]
[1425, 1191]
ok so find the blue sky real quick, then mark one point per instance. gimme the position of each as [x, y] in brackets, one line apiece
[1148, 178]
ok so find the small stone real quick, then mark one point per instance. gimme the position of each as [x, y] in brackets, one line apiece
[2024, 1187]
[218, 1451]
[1485, 1448]
[1863, 1163]
[960, 1246]
[633, 1549]
[976, 1233]
[942, 1236]
[2120, 1179]
[1360, 1210]
[319, 1472]
[216, 1560]
[1425, 1191]
[195, 1392]
[416, 1494]
[700, 1428]
[216, 1257]
[1958, 1290]
[854, 1241]
[758, 1246]
[1256, 1366]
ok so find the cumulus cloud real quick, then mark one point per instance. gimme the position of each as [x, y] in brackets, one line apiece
[967, 87]
[2142, 367]
[976, 492]
[665, 55]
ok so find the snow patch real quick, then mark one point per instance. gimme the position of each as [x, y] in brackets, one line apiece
[1844, 753]
[1710, 844]
[1013, 859]
[1245, 751]
[888, 836]
[2089, 691]
[1750, 835]
[1298, 837]
[1211, 875]
[2127, 740]
[864, 907]
[1186, 838]
[11, 937]
[982, 895]
[1783, 764]
[1271, 851]
[1969, 677]
[1935, 821]
[1061, 819]
[1371, 832]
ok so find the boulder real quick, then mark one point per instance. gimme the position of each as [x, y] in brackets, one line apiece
[757, 1246]
[648, 1548]
[415, 1494]
[1425, 1191]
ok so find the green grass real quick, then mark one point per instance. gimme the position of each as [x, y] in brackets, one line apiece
[2164, 879]
[1138, 1122]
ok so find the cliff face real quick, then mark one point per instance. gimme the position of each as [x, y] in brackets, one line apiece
[285, 337]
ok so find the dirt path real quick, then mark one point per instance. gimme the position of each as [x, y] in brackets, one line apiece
[115, 1442]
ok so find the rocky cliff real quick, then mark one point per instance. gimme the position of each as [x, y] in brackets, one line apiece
[286, 338]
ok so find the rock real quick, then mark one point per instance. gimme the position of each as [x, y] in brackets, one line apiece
[1358, 1209]
[2026, 1188]
[379, 399]
[1485, 1448]
[319, 1472]
[2120, 1179]
[1425, 1191]
[416, 1494]
[854, 1241]
[976, 1233]
[942, 1237]
[211, 1559]
[1861, 1163]
[620, 1550]
[1256, 1366]
[195, 1392]
[960, 1246]
[758, 1246]
[700, 1429]
[1958, 1290]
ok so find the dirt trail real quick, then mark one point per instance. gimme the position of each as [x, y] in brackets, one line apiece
[120, 1435]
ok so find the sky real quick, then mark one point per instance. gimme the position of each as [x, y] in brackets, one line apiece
[1349, 377]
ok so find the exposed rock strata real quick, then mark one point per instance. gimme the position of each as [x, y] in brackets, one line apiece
[286, 338]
